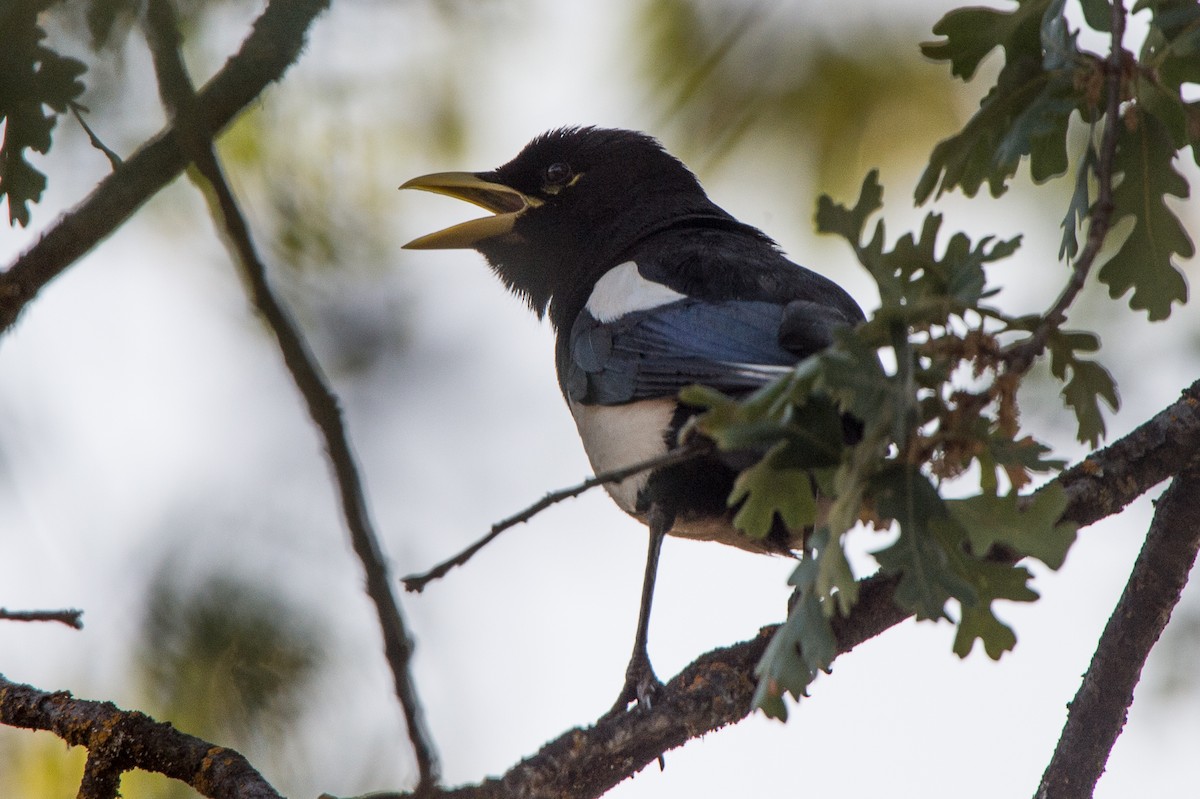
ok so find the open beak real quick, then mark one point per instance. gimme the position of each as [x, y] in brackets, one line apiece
[504, 202]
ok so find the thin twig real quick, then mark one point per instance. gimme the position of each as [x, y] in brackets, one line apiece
[274, 44]
[1022, 354]
[179, 97]
[1101, 707]
[112, 157]
[70, 617]
[686, 452]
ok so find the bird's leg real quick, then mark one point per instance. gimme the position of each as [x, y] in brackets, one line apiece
[640, 681]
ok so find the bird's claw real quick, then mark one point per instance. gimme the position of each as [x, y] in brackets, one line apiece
[641, 686]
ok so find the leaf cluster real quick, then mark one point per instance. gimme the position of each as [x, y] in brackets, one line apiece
[33, 78]
[1046, 79]
[912, 430]
[924, 392]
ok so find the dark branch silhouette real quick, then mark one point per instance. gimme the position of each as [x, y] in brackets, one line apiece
[273, 45]
[71, 618]
[1100, 708]
[179, 97]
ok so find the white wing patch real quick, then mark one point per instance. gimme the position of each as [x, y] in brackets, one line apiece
[623, 290]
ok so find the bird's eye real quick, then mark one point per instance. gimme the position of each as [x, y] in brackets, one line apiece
[557, 174]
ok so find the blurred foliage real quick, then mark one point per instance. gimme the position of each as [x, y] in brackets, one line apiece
[39, 765]
[322, 210]
[223, 660]
[223, 657]
[732, 73]
[219, 658]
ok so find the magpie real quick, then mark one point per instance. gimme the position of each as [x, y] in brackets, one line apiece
[649, 287]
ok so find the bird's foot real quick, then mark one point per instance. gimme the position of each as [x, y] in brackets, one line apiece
[641, 686]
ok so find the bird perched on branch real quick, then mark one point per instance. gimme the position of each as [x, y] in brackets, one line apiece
[650, 287]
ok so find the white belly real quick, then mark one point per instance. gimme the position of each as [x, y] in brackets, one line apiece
[615, 436]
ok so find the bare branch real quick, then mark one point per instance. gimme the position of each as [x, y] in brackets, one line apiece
[79, 110]
[135, 739]
[178, 95]
[1100, 708]
[681, 454]
[717, 688]
[70, 617]
[273, 45]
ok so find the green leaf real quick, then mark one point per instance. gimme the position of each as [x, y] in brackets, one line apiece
[926, 579]
[853, 376]
[972, 33]
[849, 223]
[1081, 202]
[979, 622]
[917, 286]
[1030, 526]
[765, 491]
[834, 578]
[1172, 41]
[1145, 262]
[32, 76]
[802, 646]
[1089, 383]
[1025, 453]
[1097, 14]
[1025, 113]
[992, 580]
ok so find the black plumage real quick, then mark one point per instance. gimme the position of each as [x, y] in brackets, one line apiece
[650, 287]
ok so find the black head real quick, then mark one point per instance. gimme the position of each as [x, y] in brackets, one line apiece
[570, 203]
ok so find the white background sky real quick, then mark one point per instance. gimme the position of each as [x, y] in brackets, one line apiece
[137, 397]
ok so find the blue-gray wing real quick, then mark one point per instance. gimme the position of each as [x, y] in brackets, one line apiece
[734, 346]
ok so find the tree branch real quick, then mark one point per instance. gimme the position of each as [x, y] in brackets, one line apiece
[712, 692]
[1109, 479]
[273, 45]
[178, 96]
[1101, 706]
[135, 739]
[71, 618]
[717, 688]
